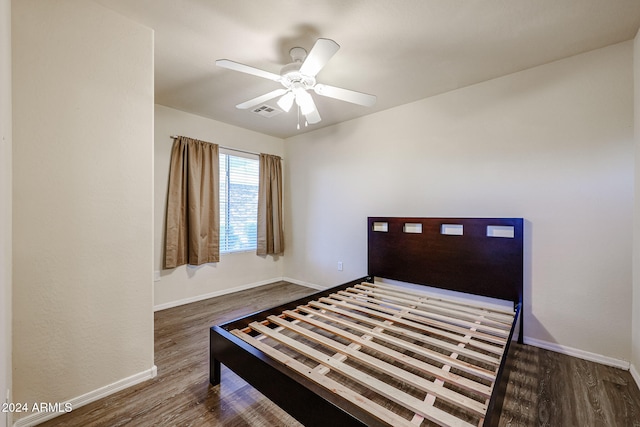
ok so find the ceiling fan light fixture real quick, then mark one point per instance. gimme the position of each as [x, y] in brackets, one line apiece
[305, 102]
[313, 117]
[286, 102]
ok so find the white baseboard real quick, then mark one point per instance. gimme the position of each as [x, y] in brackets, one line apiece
[635, 374]
[307, 284]
[40, 417]
[581, 354]
[196, 298]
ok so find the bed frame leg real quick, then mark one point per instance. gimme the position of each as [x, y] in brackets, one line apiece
[214, 372]
[214, 364]
[521, 330]
[521, 333]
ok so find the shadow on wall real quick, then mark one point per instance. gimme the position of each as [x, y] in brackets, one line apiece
[531, 322]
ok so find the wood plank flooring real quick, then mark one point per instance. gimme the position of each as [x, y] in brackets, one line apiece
[550, 389]
[545, 388]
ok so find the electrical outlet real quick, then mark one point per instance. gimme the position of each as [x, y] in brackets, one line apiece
[339, 265]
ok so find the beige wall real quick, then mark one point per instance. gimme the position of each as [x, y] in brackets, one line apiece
[635, 327]
[82, 200]
[235, 270]
[553, 144]
[5, 204]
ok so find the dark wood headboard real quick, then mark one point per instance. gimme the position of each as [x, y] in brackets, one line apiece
[480, 256]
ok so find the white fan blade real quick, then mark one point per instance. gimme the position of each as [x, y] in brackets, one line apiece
[260, 99]
[345, 95]
[320, 54]
[313, 117]
[236, 66]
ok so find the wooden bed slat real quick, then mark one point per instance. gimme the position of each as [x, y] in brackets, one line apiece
[414, 310]
[356, 304]
[462, 382]
[497, 312]
[413, 335]
[438, 357]
[432, 413]
[433, 341]
[387, 368]
[458, 337]
[407, 300]
[378, 411]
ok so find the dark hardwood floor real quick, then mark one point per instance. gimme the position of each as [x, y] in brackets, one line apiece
[545, 388]
[550, 389]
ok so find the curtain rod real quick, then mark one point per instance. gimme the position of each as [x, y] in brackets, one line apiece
[227, 148]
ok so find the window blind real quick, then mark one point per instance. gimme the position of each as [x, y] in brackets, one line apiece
[238, 202]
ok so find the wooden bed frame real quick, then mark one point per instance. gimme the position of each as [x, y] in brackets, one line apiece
[346, 355]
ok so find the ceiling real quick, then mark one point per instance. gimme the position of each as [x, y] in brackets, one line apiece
[400, 51]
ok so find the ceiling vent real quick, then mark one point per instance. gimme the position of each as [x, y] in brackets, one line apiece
[266, 111]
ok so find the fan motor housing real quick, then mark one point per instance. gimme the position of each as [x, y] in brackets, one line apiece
[298, 54]
[290, 75]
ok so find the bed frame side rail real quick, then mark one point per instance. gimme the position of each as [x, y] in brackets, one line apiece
[494, 409]
[305, 400]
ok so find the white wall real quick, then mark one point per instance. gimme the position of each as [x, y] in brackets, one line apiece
[553, 144]
[635, 327]
[235, 270]
[5, 204]
[82, 201]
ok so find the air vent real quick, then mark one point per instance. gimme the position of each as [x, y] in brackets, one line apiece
[266, 111]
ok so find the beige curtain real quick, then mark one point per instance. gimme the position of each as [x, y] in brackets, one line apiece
[270, 230]
[193, 224]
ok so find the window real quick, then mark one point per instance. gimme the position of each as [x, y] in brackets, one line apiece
[238, 202]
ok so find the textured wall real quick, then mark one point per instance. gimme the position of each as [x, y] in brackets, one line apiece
[635, 331]
[83, 199]
[5, 203]
[552, 144]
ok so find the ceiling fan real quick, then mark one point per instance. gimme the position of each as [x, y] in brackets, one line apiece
[298, 77]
